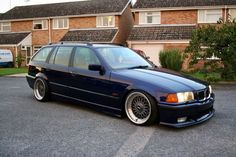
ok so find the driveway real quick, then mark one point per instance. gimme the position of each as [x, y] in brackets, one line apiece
[31, 128]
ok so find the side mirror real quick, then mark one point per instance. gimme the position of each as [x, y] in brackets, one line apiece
[96, 67]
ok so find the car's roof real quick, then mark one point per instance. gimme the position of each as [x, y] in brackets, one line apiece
[95, 45]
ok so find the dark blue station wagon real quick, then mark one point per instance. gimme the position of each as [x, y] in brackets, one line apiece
[116, 80]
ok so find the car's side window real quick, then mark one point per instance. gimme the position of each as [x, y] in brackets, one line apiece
[83, 57]
[63, 55]
[42, 55]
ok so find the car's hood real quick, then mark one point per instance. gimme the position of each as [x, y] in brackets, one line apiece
[157, 79]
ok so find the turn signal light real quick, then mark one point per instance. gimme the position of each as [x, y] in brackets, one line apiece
[172, 98]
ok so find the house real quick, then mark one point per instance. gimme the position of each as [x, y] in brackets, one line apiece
[25, 29]
[168, 24]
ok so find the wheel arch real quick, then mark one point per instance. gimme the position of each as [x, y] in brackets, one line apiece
[41, 75]
[142, 89]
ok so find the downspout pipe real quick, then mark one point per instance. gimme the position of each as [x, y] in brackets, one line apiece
[49, 31]
[225, 14]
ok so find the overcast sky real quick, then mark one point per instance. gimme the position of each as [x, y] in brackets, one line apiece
[5, 5]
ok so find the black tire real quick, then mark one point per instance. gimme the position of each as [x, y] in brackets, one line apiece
[141, 108]
[41, 91]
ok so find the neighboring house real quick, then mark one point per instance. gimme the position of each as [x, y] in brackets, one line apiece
[168, 24]
[25, 29]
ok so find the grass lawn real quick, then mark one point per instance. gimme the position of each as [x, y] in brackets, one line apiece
[11, 71]
[210, 77]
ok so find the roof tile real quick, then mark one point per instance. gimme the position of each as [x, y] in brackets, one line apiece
[65, 9]
[12, 38]
[161, 33]
[180, 3]
[101, 35]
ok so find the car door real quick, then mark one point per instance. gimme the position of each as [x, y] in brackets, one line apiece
[57, 70]
[91, 86]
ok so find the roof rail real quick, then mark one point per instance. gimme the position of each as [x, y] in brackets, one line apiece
[118, 44]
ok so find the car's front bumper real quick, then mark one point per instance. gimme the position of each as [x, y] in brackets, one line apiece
[195, 113]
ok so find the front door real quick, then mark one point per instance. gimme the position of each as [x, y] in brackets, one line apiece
[28, 54]
[90, 86]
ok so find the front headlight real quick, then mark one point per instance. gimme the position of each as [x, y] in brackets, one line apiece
[180, 97]
[185, 96]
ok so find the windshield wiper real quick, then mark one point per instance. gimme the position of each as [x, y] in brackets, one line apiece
[139, 67]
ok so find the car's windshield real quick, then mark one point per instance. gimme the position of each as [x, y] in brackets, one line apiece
[121, 57]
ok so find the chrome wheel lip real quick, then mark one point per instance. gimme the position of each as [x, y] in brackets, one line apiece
[38, 95]
[129, 111]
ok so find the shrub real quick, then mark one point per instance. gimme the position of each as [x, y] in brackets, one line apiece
[171, 59]
[217, 40]
[19, 60]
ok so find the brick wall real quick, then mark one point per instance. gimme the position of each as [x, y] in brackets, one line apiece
[21, 26]
[82, 22]
[125, 24]
[40, 37]
[58, 34]
[179, 17]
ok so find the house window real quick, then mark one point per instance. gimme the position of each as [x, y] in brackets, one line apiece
[40, 24]
[106, 21]
[36, 48]
[149, 18]
[232, 13]
[5, 27]
[209, 16]
[60, 23]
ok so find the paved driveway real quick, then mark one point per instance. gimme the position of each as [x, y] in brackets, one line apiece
[31, 128]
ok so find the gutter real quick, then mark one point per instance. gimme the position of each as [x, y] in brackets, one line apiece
[181, 8]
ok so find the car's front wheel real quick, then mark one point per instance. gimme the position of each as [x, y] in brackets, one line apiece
[141, 108]
[41, 92]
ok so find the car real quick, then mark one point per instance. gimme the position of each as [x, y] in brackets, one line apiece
[6, 58]
[116, 80]
[141, 53]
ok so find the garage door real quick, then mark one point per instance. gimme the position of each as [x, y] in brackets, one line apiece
[151, 50]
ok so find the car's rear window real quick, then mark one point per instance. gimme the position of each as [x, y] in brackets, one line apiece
[42, 55]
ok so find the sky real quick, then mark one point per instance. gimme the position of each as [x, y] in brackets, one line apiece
[6, 5]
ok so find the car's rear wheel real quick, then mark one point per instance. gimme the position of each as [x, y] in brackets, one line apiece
[41, 92]
[141, 108]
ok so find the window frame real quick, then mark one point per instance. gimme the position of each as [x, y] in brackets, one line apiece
[74, 56]
[206, 13]
[41, 49]
[5, 24]
[230, 10]
[101, 23]
[42, 23]
[36, 48]
[145, 20]
[55, 23]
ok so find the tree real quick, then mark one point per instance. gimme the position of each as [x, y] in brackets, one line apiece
[218, 40]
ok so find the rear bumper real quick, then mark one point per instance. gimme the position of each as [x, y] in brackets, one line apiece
[194, 113]
[30, 79]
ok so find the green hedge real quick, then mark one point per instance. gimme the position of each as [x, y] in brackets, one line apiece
[171, 59]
